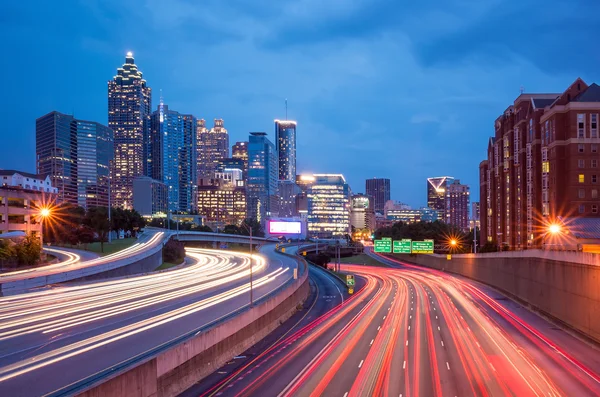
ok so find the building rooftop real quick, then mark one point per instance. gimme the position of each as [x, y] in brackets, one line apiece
[25, 174]
[540, 103]
[591, 94]
[582, 228]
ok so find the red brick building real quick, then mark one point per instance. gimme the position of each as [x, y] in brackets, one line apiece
[542, 163]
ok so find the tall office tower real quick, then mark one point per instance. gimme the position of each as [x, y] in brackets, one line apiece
[287, 192]
[240, 151]
[173, 137]
[328, 206]
[262, 176]
[95, 151]
[201, 133]
[542, 168]
[56, 153]
[285, 139]
[362, 214]
[457, 205]
[213, 146]
[379, 189]
[76, 154]
[437, 191]
[129, 107]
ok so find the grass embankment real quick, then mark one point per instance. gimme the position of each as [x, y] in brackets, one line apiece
[167, 265]
[111, 248]
[362, 259]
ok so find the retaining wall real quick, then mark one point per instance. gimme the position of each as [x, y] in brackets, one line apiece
[565, 291]
[176, 369]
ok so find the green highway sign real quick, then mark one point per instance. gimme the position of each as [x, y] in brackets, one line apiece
[384, 246]
[422, 247]
[402, 246]
[350, 280]
[387, 238]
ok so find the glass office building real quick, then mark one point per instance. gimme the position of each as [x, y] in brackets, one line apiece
[129, 107]
[328, 206]
[262, 176]
[173, 156]
[285, 138]
[76, 155]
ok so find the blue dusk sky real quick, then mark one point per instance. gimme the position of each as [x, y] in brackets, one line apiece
[386, 88]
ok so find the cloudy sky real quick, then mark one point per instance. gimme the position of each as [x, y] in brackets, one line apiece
[379, 88]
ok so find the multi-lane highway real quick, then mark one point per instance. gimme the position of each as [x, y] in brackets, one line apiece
[74, 261]
[53, 338]
[412, 331]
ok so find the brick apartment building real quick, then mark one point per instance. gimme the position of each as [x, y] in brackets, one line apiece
[542, 164]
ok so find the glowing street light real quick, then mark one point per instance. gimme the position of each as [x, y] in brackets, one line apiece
[453, 242]
[554, 228]
[45, 212]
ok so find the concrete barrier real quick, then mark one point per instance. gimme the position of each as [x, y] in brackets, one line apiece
[174, 369]
[565, 291]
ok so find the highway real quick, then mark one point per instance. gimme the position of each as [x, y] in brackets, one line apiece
[53, 338]
[412, 331]
[74, 261]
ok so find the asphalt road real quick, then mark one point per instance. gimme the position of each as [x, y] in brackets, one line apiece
[411, 331]
[75, 260]
[50, 339]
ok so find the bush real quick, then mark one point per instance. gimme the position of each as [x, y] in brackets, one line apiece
[173, 251]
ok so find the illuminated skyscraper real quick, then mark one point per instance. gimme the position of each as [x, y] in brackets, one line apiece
[437, 194]
[240, 151]
[76, 155]
[129, 106]
[173, 156]
[379, 189]
[285, 139]
[328, 206]
[262, 176]
[213, 146]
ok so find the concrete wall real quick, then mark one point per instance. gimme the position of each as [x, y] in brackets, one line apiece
[176, 369]
[566, 291]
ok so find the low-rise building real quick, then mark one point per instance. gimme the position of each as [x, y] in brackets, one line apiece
[222, 202]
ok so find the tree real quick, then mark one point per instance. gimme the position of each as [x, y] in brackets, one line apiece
[202, 228]
[28, 250]
[97, 219]
[257, 230]
[232, 229]
[7, 250]
[85, 235]
[173, 251]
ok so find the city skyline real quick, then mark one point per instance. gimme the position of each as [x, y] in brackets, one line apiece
[427, 108]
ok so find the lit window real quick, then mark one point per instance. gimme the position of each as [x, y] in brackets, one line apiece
[545, 167]
[581, 178]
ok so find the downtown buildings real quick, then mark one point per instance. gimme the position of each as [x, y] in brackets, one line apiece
[129, 106]
[450, 199]
[541, 167]
[379, 189]
[212, 147]
[263, 169]
[362, 214]
[76, 155]
[328, 206]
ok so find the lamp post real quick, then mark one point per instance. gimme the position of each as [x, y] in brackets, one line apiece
[553, 230]
[44, 213]
[249, 228]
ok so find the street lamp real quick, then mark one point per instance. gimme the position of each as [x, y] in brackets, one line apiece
[249, 228]
[44, 214]
[554, 229]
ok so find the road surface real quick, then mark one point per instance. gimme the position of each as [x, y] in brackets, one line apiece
[412, 331]
[50, 339]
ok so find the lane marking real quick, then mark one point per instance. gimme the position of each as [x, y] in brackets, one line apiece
[378, 328]
[404, 365]
[361, 363]
[406, 343]
[442, 342]
[409, 327]
[372, 340]
[448, 365]
[384, 317]
[439, 328]
[346, 394]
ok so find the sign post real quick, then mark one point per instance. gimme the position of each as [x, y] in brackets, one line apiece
[383, 245]
[403, 246]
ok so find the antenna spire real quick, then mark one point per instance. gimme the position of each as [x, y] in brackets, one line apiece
[286, 108]
[161, 97]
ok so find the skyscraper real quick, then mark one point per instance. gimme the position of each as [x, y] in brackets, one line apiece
[362, 215]
[437, 191]
[262, 176]
[379, 189]
[240, 151]
[172, 152]
[213, 146]
[76, 154]
[285, 139]
[457, 206]
[129, 106]
[328, 206]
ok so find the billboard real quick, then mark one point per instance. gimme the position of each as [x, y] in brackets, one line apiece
[280, 227]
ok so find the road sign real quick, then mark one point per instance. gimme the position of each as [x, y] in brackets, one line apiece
[422, 247]
[383, 246]
[350, 291]
[402, 246]
[350, 280]
[387, 238]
